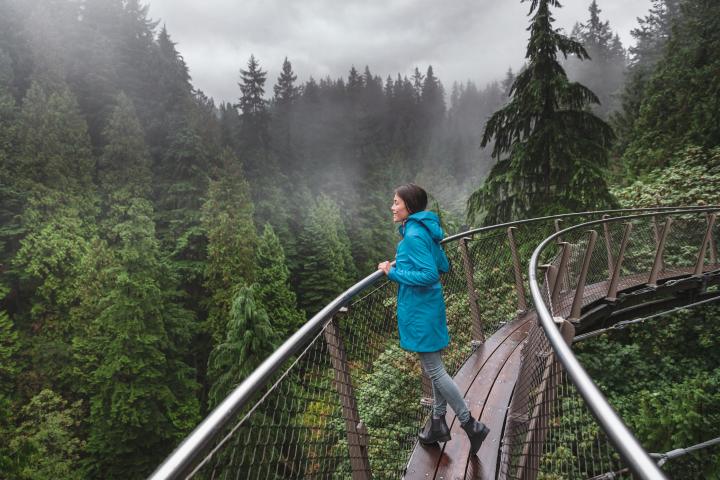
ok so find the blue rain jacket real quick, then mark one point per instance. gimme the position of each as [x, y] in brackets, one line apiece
[420, 305]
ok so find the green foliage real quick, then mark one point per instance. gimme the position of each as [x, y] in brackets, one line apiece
[327, 267]
[691, 178]
[141, 392]
[250, 338]
[125, 161]
[272, 288]
[557, 149]
[679, 104]
[227, 219]
[662, 377]
[46, 443]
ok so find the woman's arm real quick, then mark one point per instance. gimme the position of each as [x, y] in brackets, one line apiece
[424, 272]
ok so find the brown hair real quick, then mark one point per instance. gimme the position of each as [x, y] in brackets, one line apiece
[415, 197]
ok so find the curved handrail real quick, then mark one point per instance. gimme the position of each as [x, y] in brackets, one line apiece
[184, 456]
[621, 437]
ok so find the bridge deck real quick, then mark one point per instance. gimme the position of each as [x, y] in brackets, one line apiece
[487, 379]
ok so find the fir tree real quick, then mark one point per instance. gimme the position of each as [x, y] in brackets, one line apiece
[254, 129]
[327, 266]
[47, 442]
[557, 149]
[250, 338]
[141, 391]
[604, 73]
[680, 106]
[231, 239]
[272, 289]
[125, 162]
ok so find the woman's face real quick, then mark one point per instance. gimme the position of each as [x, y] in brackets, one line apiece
[399, 210]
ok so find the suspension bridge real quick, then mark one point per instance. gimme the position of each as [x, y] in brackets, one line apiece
[339, 399]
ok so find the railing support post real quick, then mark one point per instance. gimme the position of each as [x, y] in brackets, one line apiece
[608, 244]
[519, 285]
[355, 430]
[561, 273]
[713, 245]
[706, 241]
[658, 264]
[557, 222]
[580, 290]
[477, 333]
[615, 273]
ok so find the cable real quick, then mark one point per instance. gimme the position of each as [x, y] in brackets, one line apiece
[678, 452]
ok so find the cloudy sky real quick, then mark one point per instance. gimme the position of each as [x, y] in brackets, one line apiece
[462, 39]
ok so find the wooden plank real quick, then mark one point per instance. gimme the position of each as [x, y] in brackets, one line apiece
[494, 413]
[454, 462]
[425, 459]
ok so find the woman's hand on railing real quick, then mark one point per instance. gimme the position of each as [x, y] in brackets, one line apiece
[385, 266]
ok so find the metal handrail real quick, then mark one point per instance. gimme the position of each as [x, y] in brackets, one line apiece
[180, 461]
[629, 448]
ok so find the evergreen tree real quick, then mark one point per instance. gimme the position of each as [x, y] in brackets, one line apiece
[254, 129]
[327, 266]
[124, 167]
[141, 391]
[250, 338]
[272, 289]
[9, 369]
[651, 37]
[46, 443]
[231, 240]
[679, 107]
[604, 72]
[557, 149]
[286, 97]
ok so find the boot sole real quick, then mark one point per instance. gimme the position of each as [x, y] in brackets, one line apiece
[442, 439]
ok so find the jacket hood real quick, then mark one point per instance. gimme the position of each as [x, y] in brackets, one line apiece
[429, 220]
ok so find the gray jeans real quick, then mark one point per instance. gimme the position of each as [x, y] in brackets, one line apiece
[444, 388]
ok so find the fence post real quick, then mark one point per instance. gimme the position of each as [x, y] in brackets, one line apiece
[713, 245]
[703, 248]
[557, 222]
[608, 245]
[355, 430]
[615, 274]
[519, 285]
[478, 334]
[560, 278]
[658, 264]
[580, 290]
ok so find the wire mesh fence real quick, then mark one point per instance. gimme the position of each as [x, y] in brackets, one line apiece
[550, 431]
[350, 402]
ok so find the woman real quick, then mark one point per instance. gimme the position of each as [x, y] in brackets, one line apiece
[421, 309]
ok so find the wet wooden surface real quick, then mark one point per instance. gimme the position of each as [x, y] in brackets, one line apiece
[487, 379]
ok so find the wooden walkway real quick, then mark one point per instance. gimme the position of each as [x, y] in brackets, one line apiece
[487, 379]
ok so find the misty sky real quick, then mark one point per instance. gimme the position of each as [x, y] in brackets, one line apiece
[462, 39]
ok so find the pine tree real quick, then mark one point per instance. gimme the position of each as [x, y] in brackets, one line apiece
[327, 266]
[254, 130]
[285, 90]
[272, 289]
[124, 167]
[47, 440]
[131, 353]
[679, 107]
[231, 239]
[250, 338]
[557, 149]
[651, 37]
[604, 73]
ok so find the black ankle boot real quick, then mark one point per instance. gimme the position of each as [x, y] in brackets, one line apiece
[476, 432]
[438, 431]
